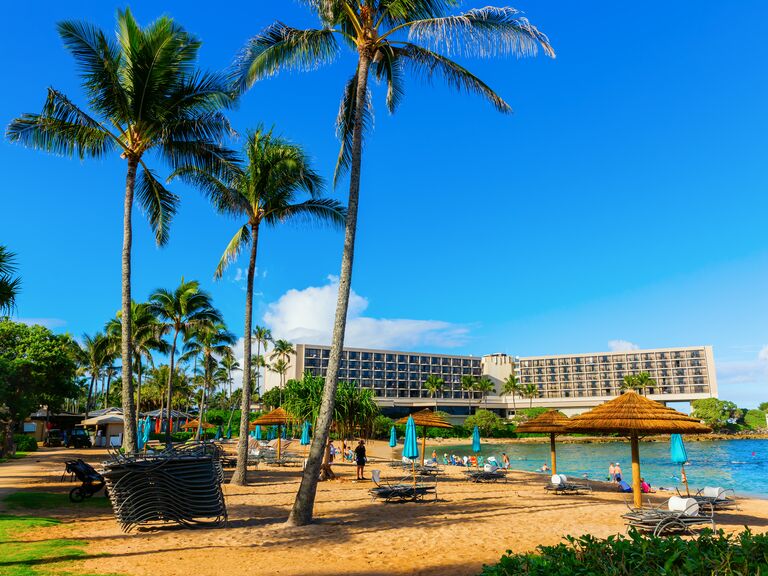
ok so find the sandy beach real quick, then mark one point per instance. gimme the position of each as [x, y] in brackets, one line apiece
[469, 525]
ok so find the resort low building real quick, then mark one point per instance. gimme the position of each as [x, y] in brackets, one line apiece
[572, 383]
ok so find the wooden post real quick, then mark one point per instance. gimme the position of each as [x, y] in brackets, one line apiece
[638, 494]
[279, 436]
[552, 452]
[423, 445]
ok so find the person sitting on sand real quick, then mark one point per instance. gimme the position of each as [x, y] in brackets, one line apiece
[466, 461]
[645, 488]
[473, 461]
[505, 461]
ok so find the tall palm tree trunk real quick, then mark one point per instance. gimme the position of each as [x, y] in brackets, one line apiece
[170, 387]
[138, 390]
[303, 505]
[90, 394]
[240, 477]
[106, 394]
[129, 413]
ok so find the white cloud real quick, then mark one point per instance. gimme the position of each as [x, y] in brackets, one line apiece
[307, 316]
[622, 346]
[239, 276]
[744, 381]
[47, 322]
[763, 354]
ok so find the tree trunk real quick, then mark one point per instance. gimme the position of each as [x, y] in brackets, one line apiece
[129, 413]
[138, 390]
[240, 476]
[170, 386]
[304, 503]
[106, 394]
[90, 394]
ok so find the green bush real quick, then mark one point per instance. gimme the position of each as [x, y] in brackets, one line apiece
[755, 419]
[381, 427]
[24, 443]
[709, 553]
[525, 414]
[488, 422]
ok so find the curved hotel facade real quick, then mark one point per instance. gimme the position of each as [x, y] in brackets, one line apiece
[571, 383]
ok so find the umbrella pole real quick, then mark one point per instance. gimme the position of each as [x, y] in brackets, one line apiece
[552, 453]
[423, 445]
[636, 471]
[278, 441]
[413, 469]
[684, 478]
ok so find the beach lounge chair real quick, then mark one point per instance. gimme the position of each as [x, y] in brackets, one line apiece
[489, 473]
[678, 515]
[91, 480]
[402, 491]
[716, 497]
[559, 484]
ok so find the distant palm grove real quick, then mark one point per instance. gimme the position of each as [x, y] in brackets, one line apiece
[148, 103]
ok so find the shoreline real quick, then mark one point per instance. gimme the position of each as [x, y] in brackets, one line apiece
[541, 439]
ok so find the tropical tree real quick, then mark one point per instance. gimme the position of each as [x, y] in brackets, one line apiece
[511, 387]
[434, 384]
[264, 190]
[93, 357]
[181, 312]
[485, 386]
[207, 341]
[389, 36]
[9, 283]
[146, 99]
[257, 363]
[468, 385]
[280, 367]
[263, 337]
[146, 338]
[639, 382]
[530, 391]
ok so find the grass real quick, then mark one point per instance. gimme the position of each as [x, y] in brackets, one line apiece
[49, 501]
[16, 456]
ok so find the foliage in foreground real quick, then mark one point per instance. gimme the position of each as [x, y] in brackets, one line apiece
[51, 501]
[639, 555]
[19, 557]
[25, 443]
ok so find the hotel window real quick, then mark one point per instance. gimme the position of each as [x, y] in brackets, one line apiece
[353, 355]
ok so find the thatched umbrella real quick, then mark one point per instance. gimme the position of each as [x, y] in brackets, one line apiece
[278, 417]
[427, 419]
[194, 424]
[552, 422]
[634, 415]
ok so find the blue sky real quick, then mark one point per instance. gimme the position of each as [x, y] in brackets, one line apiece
[624, 200]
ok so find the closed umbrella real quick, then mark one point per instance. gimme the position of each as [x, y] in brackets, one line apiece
[476, 439]
[426, 419]
[140, 434]
[229, 431]
[147, 429]
[218, 433]
[257, 432]
[679, 456]
[392, 437]
[305, 434]
[411, 446]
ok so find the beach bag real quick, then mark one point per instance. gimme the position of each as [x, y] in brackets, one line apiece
[624, 487]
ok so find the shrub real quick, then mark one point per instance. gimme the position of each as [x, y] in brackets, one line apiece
[24, 443]
[488, 422]
[640, 555]
[755, 419]
[525, 414]
[381, 426]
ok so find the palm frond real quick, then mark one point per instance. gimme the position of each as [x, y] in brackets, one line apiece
[314, 211]
[482, 32]
[280, 47]
[387, 66]
[208, 156]
[426, 63]
[61, 128]
[158, 204]
[223, 192]
[393, 12]
[241, 238]
[345, 122]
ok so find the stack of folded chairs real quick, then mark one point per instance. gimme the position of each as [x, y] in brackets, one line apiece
[181, 485]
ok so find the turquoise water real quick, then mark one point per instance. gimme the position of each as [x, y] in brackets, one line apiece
[741, 465]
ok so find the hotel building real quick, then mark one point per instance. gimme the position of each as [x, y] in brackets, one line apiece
[571, 383]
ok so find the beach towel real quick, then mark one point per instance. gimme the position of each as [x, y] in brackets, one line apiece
[624, 487]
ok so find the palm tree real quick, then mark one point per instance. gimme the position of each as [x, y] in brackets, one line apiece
[530, 391]
[385, 36]
[512, 387]
[639, 382]
[485, 386]
[263, 191]
[181, 312]
[93, 355]
[468, 384]
[9, 285]
[262, 336]
[280, 367]
[146, 338]
[257, 363]
[145, 98]
[207, 341]
[433, 385]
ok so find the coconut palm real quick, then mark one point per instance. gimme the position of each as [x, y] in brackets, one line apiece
[434, 384]
[530, 391]
[93, 356]
[265, 190]
[146, 338]
[263, 337]
[280, 367]
[207, 341]
[485, 386]
[9, 284]
[468, 384]
[257, 363]
[639, 382]
[389, 37]
[512, 387]
[146, 99]
[181, 312]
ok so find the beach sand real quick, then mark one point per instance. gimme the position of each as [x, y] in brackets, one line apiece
[470, 524]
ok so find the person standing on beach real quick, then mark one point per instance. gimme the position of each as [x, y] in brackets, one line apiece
[617, 472]
[360, 457]
[611, 472]
[505, 460]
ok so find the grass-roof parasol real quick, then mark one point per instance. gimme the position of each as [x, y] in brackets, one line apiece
[427, 419]
[278, 417]
[634, 415]
[194, 424]
[552, 422]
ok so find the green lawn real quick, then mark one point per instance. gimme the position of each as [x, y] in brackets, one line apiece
[49, 501]
[16, 456]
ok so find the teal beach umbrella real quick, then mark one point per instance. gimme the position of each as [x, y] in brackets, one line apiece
[411, 446]
[392, 437]
[257, 432]
[218, 433]
[229, 431]
[476, 439]
[140, 434]
[305, 434]
[678, 455]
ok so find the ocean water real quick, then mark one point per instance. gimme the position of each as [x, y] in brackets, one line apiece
[741, 465]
